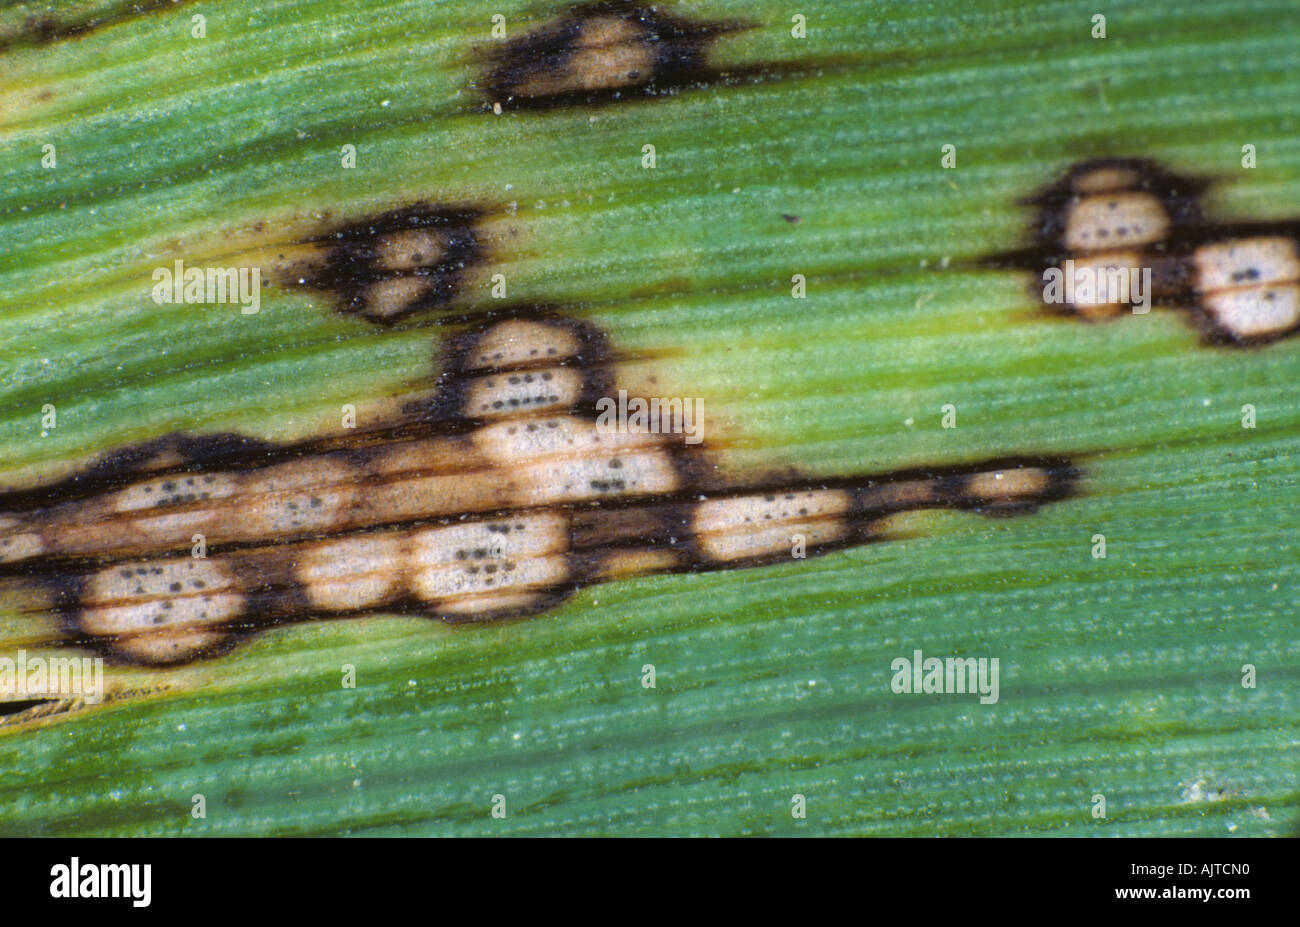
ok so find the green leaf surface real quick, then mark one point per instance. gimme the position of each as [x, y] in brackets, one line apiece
[1119, 677]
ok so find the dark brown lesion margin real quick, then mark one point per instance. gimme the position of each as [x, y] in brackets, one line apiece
[1190, 228]
[346, 268]
[677, 49]
[1179, 194]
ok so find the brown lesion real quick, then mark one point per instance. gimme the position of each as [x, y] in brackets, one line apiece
[390, 265]
[1237, 282]
[601, 52]
[497, 500]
